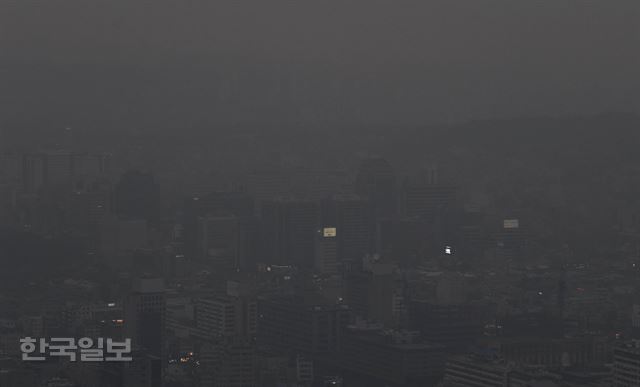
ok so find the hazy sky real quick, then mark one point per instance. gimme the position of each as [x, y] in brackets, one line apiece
[183, 63]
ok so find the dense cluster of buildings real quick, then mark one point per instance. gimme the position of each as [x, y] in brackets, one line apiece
[363, 279]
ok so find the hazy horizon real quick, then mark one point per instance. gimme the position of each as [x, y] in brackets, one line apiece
[170, 65]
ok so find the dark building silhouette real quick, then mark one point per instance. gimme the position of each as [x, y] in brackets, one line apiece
[396, 357]
[455, 327]
[351, 216]
[291, 323]
[137, 196]
[144, 319]
[237, 208]
[376, 181]
[288, 232]
[426, 196]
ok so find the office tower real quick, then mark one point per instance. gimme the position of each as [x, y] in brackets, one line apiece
[304, 371]
[230, 361]
[221, 204]
[235, 203]
[145, 370]
[59, 168]
[144, 316]
[635, 320]
[578, 351]
[289, 228]
[626, 365]
[8, 201]
[90, 167]
[425, 196]
[413, 240]
[218, 241]
[249, 242]
[33, 170]
[226, 316]
[510, 238]
[293, 324]
[238, 365]
[63, 170]
[472, 242]
[88, 210]
[453, 326]
[376, 182]
[351, 216]
[376, 292]
[268, 183]
[475, 371]
[396, 357]
[137, 196]
[11, 167]
[121, 236]
[326, 251]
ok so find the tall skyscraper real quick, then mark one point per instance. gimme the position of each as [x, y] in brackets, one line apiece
[426, 197]
[219, 205]
[301, 325]
[376, 181]
[626, 365]
[352, 218]
[326, 248]
[218, 241]
[230, 361]
[226, 316]
[144, 316]
[289, 228]
[137, 196]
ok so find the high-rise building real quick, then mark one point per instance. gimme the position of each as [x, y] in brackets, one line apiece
[226, 316]
[326, 251]
[396, 357]
[145, 370]
[229, 362]
[475, 372]
[137, 196]
[144, 315]
[11, 168]
[221, 205]
[218, 241]
[33, 171]
[376, 293]
[268, 184]
[351, 216]
[376, 181]
[88, 210]
[304, 371]
[453, 326]
[63, 169]
[289, 228]
[413, 240]
[510, 238]
[89, 167]
[59, 168]
[293, 324]
[626, 365]
[426, 197]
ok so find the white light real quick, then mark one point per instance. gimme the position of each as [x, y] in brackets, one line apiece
[448, 250]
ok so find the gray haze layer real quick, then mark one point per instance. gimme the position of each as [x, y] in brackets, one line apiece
[172, 64]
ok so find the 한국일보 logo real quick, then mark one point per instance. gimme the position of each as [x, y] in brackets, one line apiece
[88, 349]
